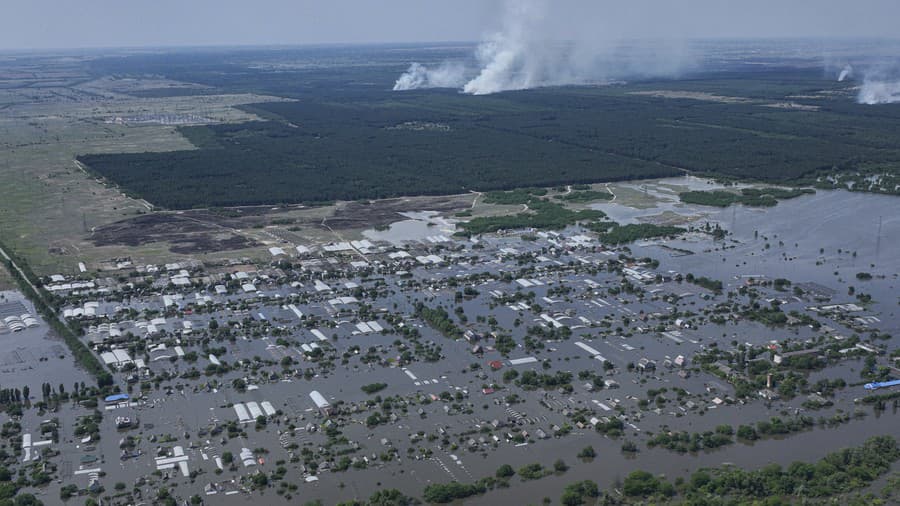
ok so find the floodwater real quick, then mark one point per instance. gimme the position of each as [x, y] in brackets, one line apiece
[34, 355]
[417, 228]
[799, 224]
[809, 240]
[610, 467]
[825, 238]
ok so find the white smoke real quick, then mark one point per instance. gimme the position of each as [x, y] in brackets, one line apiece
[512, 59]
[875, 92]
[846, 72]
[539, 45]
[447, 75]
[880, 84]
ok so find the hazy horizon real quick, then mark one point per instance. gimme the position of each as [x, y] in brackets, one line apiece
[98, 24]
[412, 43]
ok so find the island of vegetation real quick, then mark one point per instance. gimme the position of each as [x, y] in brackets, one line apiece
[754, 197]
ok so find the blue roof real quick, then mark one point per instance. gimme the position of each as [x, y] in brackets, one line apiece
[117, 397]
[881, 384]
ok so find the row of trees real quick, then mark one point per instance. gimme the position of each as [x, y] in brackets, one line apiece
[79, 350]
[838, 473]
[439, 319]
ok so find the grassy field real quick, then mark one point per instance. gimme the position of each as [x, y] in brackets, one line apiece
[6, 280]
[50, 204]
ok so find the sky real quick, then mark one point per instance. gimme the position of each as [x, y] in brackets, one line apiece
[70, 24]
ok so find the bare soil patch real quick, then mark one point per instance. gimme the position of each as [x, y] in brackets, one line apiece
[362, 215]
[184, 234]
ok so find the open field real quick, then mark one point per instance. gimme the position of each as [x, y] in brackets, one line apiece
[6, 280]
[51, 205]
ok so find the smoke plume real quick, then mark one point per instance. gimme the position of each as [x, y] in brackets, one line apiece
[447, 75]
[880, 84]
[513, 59]
[537, 45]
[846, 72]
[874, 92]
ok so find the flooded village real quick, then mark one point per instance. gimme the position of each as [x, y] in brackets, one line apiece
[411, 356]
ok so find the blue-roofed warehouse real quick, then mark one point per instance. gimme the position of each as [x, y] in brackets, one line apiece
[117, 398]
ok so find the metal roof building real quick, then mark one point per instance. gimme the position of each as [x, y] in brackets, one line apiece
[319, 399]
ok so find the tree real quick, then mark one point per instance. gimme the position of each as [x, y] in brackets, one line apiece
[389, 497]
[577, 493]
[640, 484]
[505, 471]
[629, 447]
[8, 490]
[531, 471]
[373, 388]
[260, 480]
[66, 492]
[374, 419]
[104, 379]
[747, 432]
[444, 493]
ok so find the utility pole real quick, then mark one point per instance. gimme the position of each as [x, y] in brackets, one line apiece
[878, 239]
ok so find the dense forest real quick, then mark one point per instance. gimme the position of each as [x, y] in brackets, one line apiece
[349, 137]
